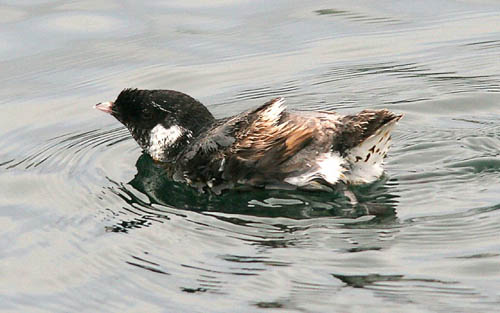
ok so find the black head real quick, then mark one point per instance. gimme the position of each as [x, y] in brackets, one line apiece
[141, 111]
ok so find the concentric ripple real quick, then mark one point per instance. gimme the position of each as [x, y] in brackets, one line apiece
[71, 148]
[88, 223]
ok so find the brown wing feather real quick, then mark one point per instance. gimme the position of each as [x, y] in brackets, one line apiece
[266, 142]
[269, 137]
[253, 143]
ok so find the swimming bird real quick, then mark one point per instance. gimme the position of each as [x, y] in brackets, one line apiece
[266, 146]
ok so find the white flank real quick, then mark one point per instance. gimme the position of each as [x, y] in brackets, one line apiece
[161, 138]
[328, 166]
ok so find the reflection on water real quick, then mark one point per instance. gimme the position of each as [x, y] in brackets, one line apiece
[77, 217]
[151, 181]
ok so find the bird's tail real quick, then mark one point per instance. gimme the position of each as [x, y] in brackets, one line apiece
[367, 142]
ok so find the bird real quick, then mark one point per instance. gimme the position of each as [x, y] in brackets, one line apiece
[264, 147]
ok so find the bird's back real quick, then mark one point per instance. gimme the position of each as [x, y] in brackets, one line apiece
[270, 147]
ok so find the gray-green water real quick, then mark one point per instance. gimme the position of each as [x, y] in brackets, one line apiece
[87, 224]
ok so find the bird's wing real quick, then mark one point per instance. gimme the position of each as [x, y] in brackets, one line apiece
[265, 141]
[256, 141]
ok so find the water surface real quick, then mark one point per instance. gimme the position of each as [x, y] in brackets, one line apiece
[87, 223]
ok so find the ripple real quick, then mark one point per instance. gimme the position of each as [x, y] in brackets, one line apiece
[147, 265]
[11, 15]
[356, 17]
[77, 216]
[479, 165]
[429, 73]
[438, 155]
[470, 226]
[30, 3]
[71, 148]
[485, 45]
[57, 175]
[87, 24]
[403, 289]
[287, 88]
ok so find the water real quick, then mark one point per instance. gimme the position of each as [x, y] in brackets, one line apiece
[87, 224]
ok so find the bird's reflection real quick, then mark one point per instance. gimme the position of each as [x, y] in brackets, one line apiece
[374, 199]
